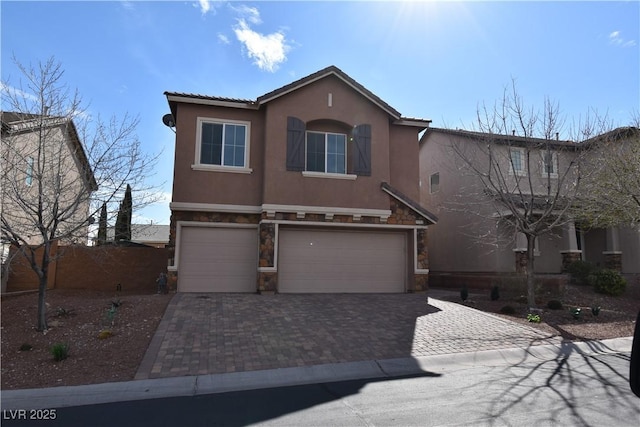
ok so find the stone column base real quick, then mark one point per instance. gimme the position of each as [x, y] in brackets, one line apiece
[521, 261]
[267, 281]
[613, 261]
[568, 258]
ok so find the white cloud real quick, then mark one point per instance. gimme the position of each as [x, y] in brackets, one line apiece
[223, 39]
[204, 6]
[266, 50]
[615, 38]
[247, 13]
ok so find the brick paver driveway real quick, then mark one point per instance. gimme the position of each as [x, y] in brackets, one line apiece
[217, 333]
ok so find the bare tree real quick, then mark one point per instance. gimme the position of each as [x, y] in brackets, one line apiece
[522, 176]
[611, 194]
[59, 166]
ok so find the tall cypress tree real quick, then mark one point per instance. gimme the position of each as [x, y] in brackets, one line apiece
[102, 225]
[127, 204]
[123, 221]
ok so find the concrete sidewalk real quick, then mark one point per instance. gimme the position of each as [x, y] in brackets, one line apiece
[58, 397]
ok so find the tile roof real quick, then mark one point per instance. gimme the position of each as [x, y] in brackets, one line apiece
[499, 138]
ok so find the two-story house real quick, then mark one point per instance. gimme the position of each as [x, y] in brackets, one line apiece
[312, 187]
[475, 242]
[45, 178]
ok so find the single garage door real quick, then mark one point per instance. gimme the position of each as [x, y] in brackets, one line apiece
[341, 261]
[218, 259]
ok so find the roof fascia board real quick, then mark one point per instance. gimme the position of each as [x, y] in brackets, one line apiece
[213, 102]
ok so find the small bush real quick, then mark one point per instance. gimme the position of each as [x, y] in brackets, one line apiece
[554, 305]
[464, 293]
[595, 310]
[576, 312]
[104, 334]
[495, 293]
[507, 309]
[580, 272]
[534, 318]
[608, 282]
[60, 351]
[26, 347]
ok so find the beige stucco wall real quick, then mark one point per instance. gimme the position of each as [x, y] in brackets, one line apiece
[57, 170]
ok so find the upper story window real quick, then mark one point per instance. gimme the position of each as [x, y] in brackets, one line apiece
[434, 182]
[326, 152]
[222, 145]
[29, 179]
[550, 164]
[517, 161]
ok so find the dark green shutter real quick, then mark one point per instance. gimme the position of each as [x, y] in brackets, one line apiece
[295, 144]
[362, 150]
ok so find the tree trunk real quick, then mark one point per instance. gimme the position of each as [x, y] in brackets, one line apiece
[531, 278]
[42, 289]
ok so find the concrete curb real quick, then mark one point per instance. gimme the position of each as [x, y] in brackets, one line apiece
[58, 397]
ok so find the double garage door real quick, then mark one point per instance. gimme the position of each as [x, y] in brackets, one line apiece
[226, 260]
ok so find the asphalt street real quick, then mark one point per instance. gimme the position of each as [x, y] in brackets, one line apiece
[571, 389]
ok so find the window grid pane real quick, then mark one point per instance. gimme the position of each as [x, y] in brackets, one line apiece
[336, 153]
[516, 160]
[211, 144]
[234, 142]
[315, 152]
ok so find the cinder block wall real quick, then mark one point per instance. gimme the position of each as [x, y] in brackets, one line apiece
[97, 268]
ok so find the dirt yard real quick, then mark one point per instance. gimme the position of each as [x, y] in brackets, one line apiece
[77, 318]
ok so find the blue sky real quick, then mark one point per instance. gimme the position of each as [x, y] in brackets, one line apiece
[435, 60]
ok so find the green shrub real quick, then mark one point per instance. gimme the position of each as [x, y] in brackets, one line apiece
[533, 318]
[495, 293]
[26, 347]
[580, 272]
[595, 310]
[554, 305]
[60, 351]
[464, 293]
[608, 282]
[507, 309]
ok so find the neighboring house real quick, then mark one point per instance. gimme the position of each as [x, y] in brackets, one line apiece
[155, 235]
[63, 167]
[471, 244]
[312, 187]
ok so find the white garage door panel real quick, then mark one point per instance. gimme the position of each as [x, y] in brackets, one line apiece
[218, 259]
[341, 261]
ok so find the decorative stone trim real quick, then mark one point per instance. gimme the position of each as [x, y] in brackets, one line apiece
[422, 258]
[267, 245]
[267, 281]
[568, 258]
[613, 260]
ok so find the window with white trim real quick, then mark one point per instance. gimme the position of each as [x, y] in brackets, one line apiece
[549, 164]
[517, 161]
[222, 144]
[326, 152]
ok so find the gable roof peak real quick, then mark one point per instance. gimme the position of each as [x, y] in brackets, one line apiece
[323, 73]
